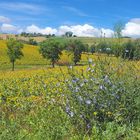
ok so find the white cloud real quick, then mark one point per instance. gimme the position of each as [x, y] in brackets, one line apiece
[63, 29]
[4, 19]
[84, 30]
[8, 28]
[36, 29]
[78, 30]
[108, 32]
[132, 28]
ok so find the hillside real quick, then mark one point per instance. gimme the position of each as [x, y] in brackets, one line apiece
[31, 59]
[31, 56]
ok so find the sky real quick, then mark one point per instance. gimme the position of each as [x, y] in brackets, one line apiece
[82, 17]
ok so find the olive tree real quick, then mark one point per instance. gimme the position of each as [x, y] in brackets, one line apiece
[76, 47]
[51, 49]
[14, 51]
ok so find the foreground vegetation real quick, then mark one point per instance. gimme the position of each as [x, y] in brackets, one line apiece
[92, 93]
[99, 101]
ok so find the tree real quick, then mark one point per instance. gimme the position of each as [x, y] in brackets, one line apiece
[69, 34]
[86, 48]
[32, 41]
[51, 49]
[74, 35]
[14, 51]
[118, 27]
[76, 47]
[101, 47]
[137, 50]
[117, 48]
[128, 50]
[92, 48]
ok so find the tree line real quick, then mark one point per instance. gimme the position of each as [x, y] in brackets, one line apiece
[51, 49]
[66, 34]
[126, 49]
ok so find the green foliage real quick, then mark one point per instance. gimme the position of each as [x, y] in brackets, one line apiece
[69, 34]
[51, 49]
[14, 50]
[98, 103]
[104, 47]
[76, 47]
[118, 27]
[128, 50]
[86, 48]
[137, 50]
[92, 48]
[32, 58]
[32, 41]
[99, 98]
[101, 47]
[117, 49]
[24, 34]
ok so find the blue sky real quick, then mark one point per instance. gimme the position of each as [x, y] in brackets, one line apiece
[55, 13]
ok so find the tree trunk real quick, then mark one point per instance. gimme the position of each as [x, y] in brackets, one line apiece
[53, 64]
[13, 66]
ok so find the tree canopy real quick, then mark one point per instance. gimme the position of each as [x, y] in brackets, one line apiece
[51, 49]
[76, 47]
[14, 50]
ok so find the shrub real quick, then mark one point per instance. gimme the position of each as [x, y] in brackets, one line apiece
[32, 42]
[137, 50]
[101, 98]
[92, 48]
[128, 50]
[76, 47]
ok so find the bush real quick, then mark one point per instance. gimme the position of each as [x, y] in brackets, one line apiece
[137, 50]
[92, 48]
[32, 42]
[104, 47]
[101, 98]
[128, 50]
